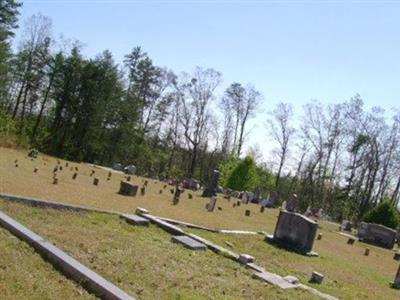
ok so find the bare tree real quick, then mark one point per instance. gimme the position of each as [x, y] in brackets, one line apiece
[196, 93]
[282, 131]
[240, 103]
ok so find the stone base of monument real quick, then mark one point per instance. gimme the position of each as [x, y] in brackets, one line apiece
[294, 232]
[284, 244]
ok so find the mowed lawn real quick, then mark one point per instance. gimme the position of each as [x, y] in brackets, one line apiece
[348, 273]
[25, 275]
[141, 260]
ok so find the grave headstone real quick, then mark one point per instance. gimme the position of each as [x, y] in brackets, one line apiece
[316, 277]
[247, 213]
[271, 201]
[212, 187]
[35, 170]
[319, 237]
[366, 252]
[351, 241]
[96, 181]
[396, 282]
[127, 189]
[128, 178]
[160, 191]
[55, 180]
[346, 225]
[396, 256]
[295, 231]
[211, 205]
[190, 196]
[74, 176]
[377, 234]
[142, 191]
[60, 168]
[146, 182]
[262, 209]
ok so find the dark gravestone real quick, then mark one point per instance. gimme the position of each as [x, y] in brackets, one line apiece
[61, 168]
[211, 205]
[247, 213]
[35, 170]
[92, 173]
[160, 191]
[142, 191]
[262, 209]
[376, 234]
[212, 187]
[146, 182]
[346, 225]
[96, 181]
[109, 174]
[74, 176]
[55, 180]
[128, 178]
[190, 196]
[295, 231]
[396, 282]
[172, 191]
[128, 189]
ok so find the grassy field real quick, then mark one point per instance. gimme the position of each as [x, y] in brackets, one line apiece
[145, 263]
[24, 274]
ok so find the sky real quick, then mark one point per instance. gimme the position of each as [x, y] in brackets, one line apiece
[291, 51]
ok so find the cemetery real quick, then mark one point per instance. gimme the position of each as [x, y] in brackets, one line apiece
[152, 245]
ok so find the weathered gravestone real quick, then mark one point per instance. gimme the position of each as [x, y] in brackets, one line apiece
[96, 181]
[128, 189]
[346, 225]
[211, 205]
[295, 232]
[376, 234]
[212, 188]
[396, 282]
[271, 201]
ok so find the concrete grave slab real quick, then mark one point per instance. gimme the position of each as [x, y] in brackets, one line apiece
[188, 242]
[69, 266]
[135, 220]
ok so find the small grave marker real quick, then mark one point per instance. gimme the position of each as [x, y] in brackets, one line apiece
[247, 213]
[319, 237]
[142, 191]
[211, 205]
[35, 170]
[96, 181]
[351, 241]
[262, 208]
[74, 176]
[128, 189]
[316, 277]
[55, 180]
[396, 282]
[366, 252]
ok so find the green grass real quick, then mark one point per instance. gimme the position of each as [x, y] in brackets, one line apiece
[25, 275]
[142, 260]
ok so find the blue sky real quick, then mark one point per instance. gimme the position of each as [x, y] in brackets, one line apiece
[291, 51]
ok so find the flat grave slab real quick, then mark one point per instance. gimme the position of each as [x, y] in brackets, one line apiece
[135, 220]
[274, 279]
[188, 242]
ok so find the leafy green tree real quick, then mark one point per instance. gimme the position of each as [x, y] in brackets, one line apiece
[8, 22]
[244, 176]
[384, 214]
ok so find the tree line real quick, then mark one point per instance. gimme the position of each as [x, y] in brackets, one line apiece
[340, 157]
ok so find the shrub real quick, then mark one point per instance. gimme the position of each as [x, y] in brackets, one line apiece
[384, 214]
[244, 177]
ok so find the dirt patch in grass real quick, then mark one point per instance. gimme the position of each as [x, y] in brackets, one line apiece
[143, 261]
[25, 275]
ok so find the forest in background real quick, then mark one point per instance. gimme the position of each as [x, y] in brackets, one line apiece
[340, 157]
